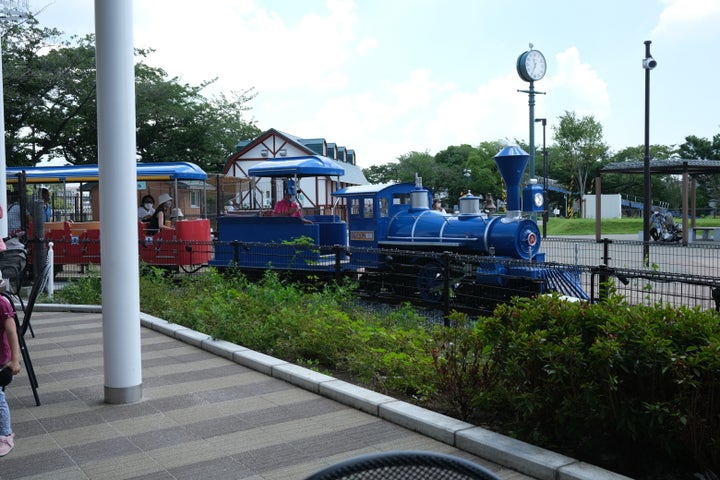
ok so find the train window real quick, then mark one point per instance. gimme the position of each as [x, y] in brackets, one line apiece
[354, 206]
[384, 209]
[401, 199]
[368, 208]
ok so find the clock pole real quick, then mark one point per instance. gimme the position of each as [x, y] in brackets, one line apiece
[531, 66]
[531, 106]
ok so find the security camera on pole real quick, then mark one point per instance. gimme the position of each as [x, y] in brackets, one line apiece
[531, 67]
[648, 63]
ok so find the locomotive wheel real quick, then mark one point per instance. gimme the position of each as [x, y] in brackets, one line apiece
[431, 282]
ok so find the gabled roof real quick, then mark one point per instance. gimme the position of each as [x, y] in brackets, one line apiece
[311, 146]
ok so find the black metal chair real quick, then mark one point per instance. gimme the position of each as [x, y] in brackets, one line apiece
[38, 286]
[405, 465]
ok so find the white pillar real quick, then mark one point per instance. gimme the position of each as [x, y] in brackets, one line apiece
[118, 220]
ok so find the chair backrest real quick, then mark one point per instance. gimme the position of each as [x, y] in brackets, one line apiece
[405, 465]
[12, 265]
[38, 286]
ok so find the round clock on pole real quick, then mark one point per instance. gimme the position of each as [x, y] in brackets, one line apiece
[531, 65]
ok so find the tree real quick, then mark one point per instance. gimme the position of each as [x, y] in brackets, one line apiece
[420, 164]
[704, 149]
[378, 174]
[665, 188]
[700, 148]
[579, 147]
[483, 176]
[51, 107]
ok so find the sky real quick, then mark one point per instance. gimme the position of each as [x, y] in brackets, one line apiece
[389, 77]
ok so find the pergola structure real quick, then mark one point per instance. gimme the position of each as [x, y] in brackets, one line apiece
[674, 166]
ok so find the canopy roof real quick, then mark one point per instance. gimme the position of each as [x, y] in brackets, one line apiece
[306, 166]
[672, 166]
[89, 173]
[363, 189]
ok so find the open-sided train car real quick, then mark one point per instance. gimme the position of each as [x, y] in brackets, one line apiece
[236, 233]
[75, 229]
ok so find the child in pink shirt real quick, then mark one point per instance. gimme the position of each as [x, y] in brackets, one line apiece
[10, 363]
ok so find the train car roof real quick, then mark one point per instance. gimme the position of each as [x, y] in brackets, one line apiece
[305, 166]
[373, 189]
[89, 173]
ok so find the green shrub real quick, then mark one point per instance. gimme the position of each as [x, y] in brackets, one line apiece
[624, 380]
[86, 290]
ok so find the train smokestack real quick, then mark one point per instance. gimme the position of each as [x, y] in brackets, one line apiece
[511, 162]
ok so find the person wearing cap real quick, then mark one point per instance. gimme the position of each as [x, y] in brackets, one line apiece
[157, 221]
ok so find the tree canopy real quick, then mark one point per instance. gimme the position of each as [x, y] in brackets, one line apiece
[51, 109]
[576, 156]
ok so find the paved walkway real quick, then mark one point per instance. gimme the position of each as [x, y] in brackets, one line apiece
[214, 410]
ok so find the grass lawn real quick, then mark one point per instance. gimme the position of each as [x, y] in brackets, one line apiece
[586, 226]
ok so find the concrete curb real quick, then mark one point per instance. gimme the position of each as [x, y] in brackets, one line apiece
[525, 458]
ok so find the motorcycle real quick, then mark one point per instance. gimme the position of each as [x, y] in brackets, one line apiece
[664, 228]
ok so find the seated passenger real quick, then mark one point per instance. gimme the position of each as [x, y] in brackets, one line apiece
[157, 220]
[287, 207]
[146, 209]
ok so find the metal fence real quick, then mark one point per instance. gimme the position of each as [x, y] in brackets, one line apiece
[687, 275]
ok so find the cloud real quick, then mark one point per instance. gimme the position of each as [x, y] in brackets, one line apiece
[578, 87]
[246, 44]
[684, 16]
[422, 113]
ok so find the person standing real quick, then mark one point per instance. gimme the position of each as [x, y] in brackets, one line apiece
[14, 214]
[47, 207]
[10, 362]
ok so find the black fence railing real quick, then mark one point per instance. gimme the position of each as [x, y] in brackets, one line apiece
[445, 281]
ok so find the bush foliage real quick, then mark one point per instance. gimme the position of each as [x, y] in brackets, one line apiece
[635, 383]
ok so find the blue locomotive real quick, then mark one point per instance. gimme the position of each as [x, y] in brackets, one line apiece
[392, 239]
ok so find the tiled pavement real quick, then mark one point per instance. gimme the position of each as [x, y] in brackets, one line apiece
[214, 410]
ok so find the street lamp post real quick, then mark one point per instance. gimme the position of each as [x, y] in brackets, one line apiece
[648, 64]
[467, 173]
[543, 121]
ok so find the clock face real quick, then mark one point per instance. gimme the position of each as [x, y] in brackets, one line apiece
[535, 65]
[538, 199]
